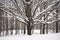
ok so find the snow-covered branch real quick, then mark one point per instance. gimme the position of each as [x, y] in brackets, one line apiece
[47, 9]
[19, 9]
[39, 3]
[11, 13]
[21, 15]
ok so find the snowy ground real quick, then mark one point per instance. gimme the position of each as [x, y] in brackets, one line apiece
[54, 36]
[35, 36]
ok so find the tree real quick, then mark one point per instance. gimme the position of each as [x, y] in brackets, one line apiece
[0, 21]
[26, 10]
[56, 22]
[6, 21]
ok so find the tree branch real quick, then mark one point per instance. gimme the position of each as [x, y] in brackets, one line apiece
[39, 3]
[19, 10]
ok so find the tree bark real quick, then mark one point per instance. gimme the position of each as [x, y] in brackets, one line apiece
[43, 28]
[6, 25]
[40, 28]
[29, 29]
[46, 28]
[12, 25]
[0, 25]
[57, 21]
[56, 26]
[24, 29]
[17, 27]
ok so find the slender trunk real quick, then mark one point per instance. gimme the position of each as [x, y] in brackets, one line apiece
[6, 25]
[57, 21]
[46, 28]
[56, 26]
[43, 28]
[12, 26]
[24, 29]
[17, 27]
[0, 25]
[40, 28]
[11, 30]
[0, 21]
[3, 25]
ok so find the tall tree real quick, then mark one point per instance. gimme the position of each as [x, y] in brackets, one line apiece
[26, 10]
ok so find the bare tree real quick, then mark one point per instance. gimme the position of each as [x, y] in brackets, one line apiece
[26, 10]
[6, 24]
[0, 21]
[56, 22]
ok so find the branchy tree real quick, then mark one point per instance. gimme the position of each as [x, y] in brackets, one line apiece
[31, 12]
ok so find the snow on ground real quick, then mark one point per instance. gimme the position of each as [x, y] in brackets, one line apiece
[53, 36]
[35, 36]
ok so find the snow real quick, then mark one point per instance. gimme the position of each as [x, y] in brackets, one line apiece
[55, 36]
[34, 36]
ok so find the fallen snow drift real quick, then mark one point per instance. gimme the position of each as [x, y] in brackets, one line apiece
[53, 36]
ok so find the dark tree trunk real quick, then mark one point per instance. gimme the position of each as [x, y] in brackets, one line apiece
[43, 28]
[1, 13]
[29, 29]
[40, 28]
[56, 26]
[29, 15]
[3, 26]
[46, 28]
[57, 21]
[0, 25]
[11, 30]
[6, 25]
[17, 27]
[12, 25]
[24, 29]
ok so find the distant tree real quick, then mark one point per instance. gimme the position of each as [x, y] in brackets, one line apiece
[57, 22]
[12, 25]
[0, 21]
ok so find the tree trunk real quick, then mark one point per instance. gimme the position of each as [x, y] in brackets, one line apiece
[6, 25]
[57, 21]
[1, 21]
[46, 28]
[0, 25]
[17, 27]
[43, 28]
[28, 29]
[3, 26]
[12, 25]
[40, 28]
[24, 29]
[56, 26]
